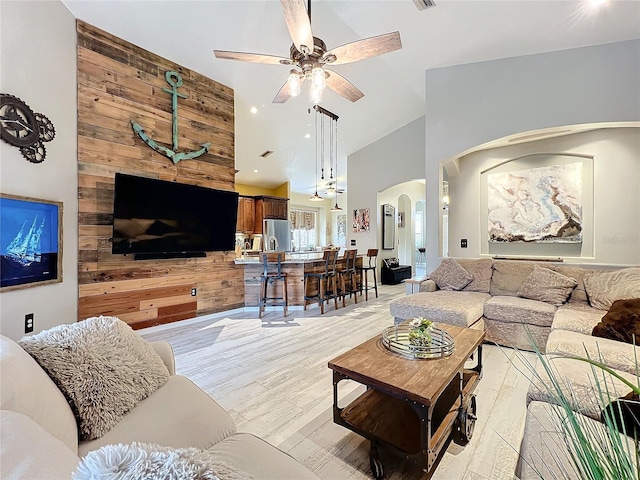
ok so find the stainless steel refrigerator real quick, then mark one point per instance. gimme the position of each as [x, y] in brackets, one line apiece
[276, 235]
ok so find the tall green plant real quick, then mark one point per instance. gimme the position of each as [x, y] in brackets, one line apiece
[597, 450]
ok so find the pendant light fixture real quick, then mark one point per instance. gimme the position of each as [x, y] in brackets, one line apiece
[332, 148]
[315, 197]
[334, 131]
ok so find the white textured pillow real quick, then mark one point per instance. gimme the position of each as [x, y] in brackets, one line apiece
[101, 366]
[450, 275]
[154, 462]
[605, 287]
[548, 286]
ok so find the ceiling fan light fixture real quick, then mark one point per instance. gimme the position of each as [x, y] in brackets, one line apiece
[318, 78]
[315, 95]
[293, 83]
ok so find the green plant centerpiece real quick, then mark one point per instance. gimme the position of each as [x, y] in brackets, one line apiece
[420, 334]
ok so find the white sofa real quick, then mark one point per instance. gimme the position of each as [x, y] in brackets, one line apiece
[39, 432]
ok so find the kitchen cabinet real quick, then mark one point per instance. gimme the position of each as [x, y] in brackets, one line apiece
[246, 215]
[276, 208]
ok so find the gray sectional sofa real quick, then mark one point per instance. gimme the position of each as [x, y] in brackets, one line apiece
[510, 300]
[518, 303]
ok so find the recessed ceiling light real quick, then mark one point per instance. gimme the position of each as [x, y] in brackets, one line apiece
[255, 171]
[307, 135]
[253, 110]
[597, 3]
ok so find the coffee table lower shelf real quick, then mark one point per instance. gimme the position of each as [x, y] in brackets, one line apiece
[407, 428]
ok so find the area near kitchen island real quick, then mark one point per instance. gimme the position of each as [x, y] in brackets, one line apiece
[296, 264]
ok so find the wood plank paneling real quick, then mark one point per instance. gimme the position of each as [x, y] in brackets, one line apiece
[119, 82]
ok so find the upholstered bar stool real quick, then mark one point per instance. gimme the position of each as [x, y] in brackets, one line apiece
[325, 282]
[272, 273]
[348, 276]
[372, 265]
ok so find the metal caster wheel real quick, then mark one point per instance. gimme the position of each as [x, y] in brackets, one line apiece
[466, 421]
[376, 468]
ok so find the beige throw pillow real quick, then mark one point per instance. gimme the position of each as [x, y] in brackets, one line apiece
[547, 286]
[480, 269]
[101, 366]
[605, 287]
[450, 275]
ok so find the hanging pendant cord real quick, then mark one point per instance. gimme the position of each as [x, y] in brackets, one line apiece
[322, 147]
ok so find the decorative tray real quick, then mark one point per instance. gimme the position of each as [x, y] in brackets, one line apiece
[396, 339]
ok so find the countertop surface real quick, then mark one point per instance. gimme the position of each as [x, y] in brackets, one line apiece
[290, 258]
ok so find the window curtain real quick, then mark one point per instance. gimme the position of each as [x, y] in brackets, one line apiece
[302, 219]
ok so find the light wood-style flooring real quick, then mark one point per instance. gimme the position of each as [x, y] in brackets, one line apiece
[271, 374]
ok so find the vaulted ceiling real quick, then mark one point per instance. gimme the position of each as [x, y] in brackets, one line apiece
[453, 32]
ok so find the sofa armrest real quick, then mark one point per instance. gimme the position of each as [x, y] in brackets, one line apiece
[165, 351]
[428, 286]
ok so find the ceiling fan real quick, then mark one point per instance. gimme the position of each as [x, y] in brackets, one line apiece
[309, 54]
[331, 189]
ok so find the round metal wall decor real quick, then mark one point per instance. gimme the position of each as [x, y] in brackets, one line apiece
[22, 128]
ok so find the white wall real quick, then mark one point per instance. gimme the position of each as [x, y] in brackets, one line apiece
[392, 160]
[472, 104]
[38, 65]
[611, 208]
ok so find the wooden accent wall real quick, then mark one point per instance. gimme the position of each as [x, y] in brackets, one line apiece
[119, 82]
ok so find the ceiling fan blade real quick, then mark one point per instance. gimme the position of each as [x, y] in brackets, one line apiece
[299, 24]
[342, 86]
[252, 57]
[283, 94]
[366, 48]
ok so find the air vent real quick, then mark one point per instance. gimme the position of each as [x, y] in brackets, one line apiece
[266, 153]
[424, 4]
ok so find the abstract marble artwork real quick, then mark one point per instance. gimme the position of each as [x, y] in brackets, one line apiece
[536, 205]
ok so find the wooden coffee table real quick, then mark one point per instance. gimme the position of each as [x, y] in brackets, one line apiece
[411, 407]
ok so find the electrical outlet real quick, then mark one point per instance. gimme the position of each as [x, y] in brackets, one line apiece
[463, 243]
[193, 292]
[28, 323]
[353, 243]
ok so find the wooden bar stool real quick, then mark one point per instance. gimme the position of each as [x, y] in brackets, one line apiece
[348, 276]
[270, 276]
[325, 280]
[372, 255]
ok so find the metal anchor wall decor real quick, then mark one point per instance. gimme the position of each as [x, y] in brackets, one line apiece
[175, 80]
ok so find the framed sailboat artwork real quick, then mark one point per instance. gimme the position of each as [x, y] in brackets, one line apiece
[30, 242]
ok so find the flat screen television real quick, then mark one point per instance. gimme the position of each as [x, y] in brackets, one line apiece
[159, 219]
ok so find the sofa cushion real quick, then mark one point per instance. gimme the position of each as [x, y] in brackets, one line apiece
[259, 458]
[179, 414]
[543, 451]
[450, 275]
[621, 322]
[545, 285]
[27, 389]
[508, 276]
[102, 366]
[454, 308]
[29, 451]
[519, 310]
[481, 270]
[577, 317]
[604, 288]
[577, 382]
[578, 294]
[618, 355]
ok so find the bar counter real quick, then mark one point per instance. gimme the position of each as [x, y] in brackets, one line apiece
[296, 264]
